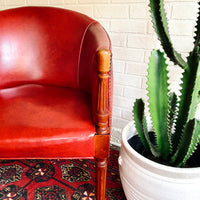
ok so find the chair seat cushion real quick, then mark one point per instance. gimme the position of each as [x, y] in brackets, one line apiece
[39, 121]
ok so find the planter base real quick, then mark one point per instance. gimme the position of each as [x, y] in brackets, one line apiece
[143, 179]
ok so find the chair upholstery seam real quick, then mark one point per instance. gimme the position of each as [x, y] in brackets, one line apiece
[80, 51]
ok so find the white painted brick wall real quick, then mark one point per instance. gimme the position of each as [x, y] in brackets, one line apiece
[130, 28]
[118, 11]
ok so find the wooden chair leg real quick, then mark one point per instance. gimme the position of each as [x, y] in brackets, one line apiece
[100, 182]
[102, 137]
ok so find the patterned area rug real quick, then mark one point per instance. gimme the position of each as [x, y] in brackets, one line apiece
[56, 179]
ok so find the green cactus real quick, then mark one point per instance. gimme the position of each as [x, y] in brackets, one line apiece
[177, 132]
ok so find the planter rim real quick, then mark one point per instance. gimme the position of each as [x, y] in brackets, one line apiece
[146, 161]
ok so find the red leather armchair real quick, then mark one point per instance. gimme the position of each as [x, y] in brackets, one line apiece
[55, 87]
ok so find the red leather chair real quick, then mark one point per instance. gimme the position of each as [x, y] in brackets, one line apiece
[55, 87]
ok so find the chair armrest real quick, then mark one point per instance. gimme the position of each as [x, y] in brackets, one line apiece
[95, 40]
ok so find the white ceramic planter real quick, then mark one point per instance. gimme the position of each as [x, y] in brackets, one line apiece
[143, 179]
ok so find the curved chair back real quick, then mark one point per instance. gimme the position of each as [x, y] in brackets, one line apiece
[55, 73]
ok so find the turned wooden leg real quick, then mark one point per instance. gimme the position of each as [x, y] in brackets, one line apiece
[102, 137]
[100, 182]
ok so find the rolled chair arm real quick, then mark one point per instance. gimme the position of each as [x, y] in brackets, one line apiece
[95, 70]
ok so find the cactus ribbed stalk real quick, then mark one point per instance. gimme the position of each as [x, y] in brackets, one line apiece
[167, 112]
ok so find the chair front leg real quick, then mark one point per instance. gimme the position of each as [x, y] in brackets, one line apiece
[102, 138]
[100, 183]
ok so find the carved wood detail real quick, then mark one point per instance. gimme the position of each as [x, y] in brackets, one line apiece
[102, 102]
[102, 138]
[101, 172]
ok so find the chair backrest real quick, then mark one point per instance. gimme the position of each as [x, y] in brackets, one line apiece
[54, 46]
[41, 45]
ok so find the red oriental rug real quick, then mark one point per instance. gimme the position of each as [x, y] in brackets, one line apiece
[56, 179]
